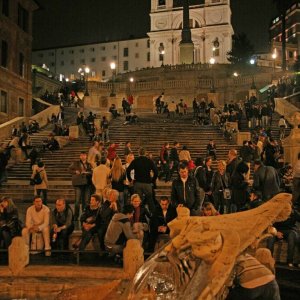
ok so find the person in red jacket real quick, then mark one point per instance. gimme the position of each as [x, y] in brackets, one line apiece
[112, 152]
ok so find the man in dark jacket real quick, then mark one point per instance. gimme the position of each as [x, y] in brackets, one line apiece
[62, 224]
[164, 214]
[265, 180]
[143, 167]
[174, 159]
[90, 221]
[185, 191]
[82, 189]
[232, 161]
[165, 161]
[119, 231]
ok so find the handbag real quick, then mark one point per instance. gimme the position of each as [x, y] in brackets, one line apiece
[79, 180]
[226, 191]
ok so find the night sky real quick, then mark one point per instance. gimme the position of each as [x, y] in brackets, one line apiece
[70, 22]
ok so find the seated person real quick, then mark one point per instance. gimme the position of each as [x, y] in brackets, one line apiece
[108, 209]
[119, 231]
[254, 200]
[131, 118]
[62, 224]
[208, 210]
[253, 280]
[51, 143]
[37, 220]
[164, 214]
[141, 215]
[113, 110]
[289, 231]
[9, 222]
[90, 221]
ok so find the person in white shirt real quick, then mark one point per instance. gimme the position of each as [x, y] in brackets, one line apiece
[37, 220]
[282, 126]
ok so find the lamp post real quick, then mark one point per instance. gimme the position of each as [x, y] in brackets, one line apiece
[252, 62]
[235, 75]
[113, 69]
[212, 61]
[86, 72]
[161, 50]
[131, 80]
[274, 56]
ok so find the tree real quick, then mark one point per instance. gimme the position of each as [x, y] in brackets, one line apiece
[242, 50]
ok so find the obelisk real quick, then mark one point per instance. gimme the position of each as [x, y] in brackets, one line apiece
[186, 45]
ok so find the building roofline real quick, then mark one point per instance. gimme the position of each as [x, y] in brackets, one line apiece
[90, 43]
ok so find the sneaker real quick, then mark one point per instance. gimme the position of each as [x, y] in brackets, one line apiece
[47, 252]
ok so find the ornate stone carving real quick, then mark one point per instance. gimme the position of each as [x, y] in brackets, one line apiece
[199, 261]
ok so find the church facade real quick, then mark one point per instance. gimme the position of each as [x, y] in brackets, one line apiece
[210, 23]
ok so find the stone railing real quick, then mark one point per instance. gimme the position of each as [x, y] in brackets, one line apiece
[285, 108]
[5, 128]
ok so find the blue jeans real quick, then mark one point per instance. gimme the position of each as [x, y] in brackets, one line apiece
[82, 195]
[105, 135]
[145, 189]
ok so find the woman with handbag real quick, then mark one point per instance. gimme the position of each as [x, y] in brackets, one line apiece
[220, 188]
[40, 181]
[9, 222]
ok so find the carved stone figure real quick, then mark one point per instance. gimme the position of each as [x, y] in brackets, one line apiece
[199, 262]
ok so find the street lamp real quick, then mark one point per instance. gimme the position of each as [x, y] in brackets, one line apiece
[161, 50]
[131, 80]
[212, 61]
[86, 71]
[274, 56]
[252, 62]
[113, 69]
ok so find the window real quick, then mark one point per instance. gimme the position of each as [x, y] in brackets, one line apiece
[5, 7]
[62, 63]
[92, 49]
[93, 59]
[52, 64]
[23, 18]
[82, 61]
[3, 102]
[161, 2]
[51, 53]
[125, 65]
[71, 51]
[21, 107]
[72, 62]
[41, 55]
[114, 57]
[115, 47]
[4, 54]
[125, 52]
[21, 64]
[81, 50]
[103, 73]
[148, 56]
[103, 58]
[148, 43]
[137, 55]
[136, 44]
[103, 48]
[93, 73]
[62, 52]
[291, 54]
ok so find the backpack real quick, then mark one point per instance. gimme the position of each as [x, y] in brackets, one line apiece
[37, 178]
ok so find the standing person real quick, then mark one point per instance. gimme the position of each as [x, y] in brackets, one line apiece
[247, 154]
[232, 161]
[211, 149]
[127, 149]
[185, 191]
[24, 143]
[282, 127]
[4, 157]
[62, 224]
[9, 221]
[112, 152]
[37, 220]
[265, 180]
[143, 167]
[296, 181]
[100, 177]
[105, 130]
[239, 186]
[184, 154]
[219, 186]
[164, 158]
[81, 180]
[174, 159]
[128, 186]
[60, 117]
[40, 180]
[204, 175]
[118, 176]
